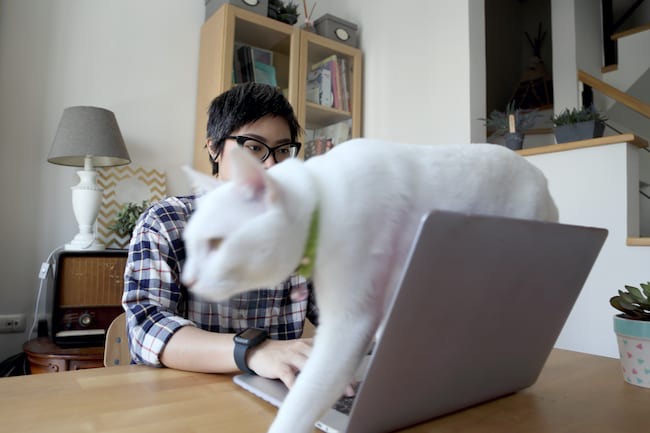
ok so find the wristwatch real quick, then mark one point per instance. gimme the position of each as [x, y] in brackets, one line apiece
[245, 340]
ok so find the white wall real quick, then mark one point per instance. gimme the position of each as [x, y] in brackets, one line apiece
[136, 58]
[589, 39]
[565, 66]
[598, 186]
[417, 63]
[640, 17]
[578, 25]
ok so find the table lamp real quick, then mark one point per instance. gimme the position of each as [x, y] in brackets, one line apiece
[87, 137]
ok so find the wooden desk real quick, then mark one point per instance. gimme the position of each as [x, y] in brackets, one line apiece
[575, 393]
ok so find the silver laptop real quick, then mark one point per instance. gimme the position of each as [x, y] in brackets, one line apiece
[478, 309]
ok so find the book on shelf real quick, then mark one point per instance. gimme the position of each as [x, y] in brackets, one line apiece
[253, 64]
[344, 85]
[319, 141]
[319, 87]
[246, 67]
[265, 74]
[263, 56]
[339, 81]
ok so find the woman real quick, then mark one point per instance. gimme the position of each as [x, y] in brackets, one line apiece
[167, 326]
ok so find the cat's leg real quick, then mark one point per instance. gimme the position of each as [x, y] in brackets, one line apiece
[339, 346]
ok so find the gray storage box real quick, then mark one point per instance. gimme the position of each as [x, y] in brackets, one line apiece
[338, 29]
[258, 6]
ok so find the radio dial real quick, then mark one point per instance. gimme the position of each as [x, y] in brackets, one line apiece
[85, 320]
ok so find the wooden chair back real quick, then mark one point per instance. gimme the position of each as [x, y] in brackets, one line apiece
[116, 348]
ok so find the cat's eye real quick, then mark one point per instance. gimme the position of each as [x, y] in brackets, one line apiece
[214, 243]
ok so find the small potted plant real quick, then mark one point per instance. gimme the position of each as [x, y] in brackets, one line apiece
[126, 219]
[578, 124]
[511, 124]
[632, 329]
[287, 13]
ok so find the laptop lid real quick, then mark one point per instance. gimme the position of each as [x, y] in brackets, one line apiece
[479, 306]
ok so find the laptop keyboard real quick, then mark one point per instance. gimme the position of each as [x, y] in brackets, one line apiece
[344, 404]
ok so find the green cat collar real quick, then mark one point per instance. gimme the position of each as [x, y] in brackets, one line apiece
[306, 267]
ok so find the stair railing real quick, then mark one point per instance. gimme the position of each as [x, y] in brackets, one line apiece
[612, 92]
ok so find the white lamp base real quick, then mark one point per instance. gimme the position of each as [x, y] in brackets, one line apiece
[86, 199]
[81, 242]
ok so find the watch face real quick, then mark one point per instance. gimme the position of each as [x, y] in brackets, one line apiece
[250, 333]
[251, 337]
[342, 34]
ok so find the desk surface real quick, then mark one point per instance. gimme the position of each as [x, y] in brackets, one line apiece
[574, 393]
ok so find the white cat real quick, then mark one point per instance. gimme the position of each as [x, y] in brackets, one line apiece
[369, 197]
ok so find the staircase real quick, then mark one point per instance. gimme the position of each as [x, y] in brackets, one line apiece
[633, 58]
[624, 90]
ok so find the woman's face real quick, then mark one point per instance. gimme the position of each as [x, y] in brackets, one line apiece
[270, 130]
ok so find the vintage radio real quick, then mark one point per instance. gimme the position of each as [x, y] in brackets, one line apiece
[88, 288]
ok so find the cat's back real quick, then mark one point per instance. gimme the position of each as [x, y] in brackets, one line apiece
[372, 153]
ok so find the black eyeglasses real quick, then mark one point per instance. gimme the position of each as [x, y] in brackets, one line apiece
[262, 151]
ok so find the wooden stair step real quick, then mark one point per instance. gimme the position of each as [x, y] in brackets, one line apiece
[631, 31]
[609, 68]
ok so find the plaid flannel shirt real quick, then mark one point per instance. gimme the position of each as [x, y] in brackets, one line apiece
[157, 305]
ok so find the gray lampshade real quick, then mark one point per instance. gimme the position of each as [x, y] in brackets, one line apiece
[91, 131]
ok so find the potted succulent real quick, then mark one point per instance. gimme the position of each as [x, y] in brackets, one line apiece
[578, 124]
[512, 124]
[287, 13]
[632, 329]
[126, 219]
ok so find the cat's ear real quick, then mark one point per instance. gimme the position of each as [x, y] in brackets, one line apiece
[247, 171]
[200, 183]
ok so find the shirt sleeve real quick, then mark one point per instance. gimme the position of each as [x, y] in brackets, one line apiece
[153, 299]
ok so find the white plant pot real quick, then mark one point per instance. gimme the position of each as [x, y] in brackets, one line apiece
[634, 348]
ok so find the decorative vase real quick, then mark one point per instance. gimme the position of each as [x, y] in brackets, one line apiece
[579, 131]
[634, 348]
[514, 140]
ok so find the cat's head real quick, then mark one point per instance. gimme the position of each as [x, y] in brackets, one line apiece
[242, 235]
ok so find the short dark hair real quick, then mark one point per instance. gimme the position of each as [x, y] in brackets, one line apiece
[242, 105]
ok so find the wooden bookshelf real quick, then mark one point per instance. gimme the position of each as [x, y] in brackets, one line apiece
[313, 49]
[294, 51]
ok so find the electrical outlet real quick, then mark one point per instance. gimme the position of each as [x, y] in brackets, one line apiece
[12, 323]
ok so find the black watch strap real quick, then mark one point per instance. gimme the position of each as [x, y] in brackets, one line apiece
[240, 358]
[244, 341]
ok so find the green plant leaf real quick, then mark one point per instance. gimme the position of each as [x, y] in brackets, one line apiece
[127, 218]
[627, 298]
[636, 294]
[498, 121]
[574, 115]
[616, 303]
[646, 289]
[629, 307]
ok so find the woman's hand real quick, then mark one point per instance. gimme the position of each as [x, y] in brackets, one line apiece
[280, 359]
[283, 359]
